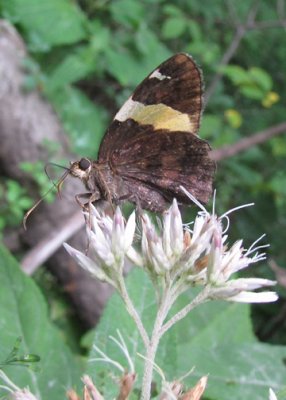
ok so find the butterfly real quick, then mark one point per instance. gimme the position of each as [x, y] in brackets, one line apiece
[152, 148]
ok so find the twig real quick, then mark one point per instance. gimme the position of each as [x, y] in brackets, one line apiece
[280, 273]
[268, 24]
[246, 143]
[240, 32]
[47, 247]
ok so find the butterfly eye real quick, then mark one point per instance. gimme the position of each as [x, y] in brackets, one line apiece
[84, 164]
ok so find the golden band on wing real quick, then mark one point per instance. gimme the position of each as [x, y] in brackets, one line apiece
[159, 116]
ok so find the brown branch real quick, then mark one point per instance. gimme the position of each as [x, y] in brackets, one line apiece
[280, 273]
[43, 250]
[246, 143]
[268, 24]
[240, 32]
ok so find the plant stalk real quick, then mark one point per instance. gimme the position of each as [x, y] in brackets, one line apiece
[132, 311]
[151, 350]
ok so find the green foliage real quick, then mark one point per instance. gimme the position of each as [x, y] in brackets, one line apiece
[14, 202]
[84, 121]
[15, 358]
[24, 313]
[240, 372]
[254, 83]
[86, 57]
[216, 339]
[35, 170]
[47, 24]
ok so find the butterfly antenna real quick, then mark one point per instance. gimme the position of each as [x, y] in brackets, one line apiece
[57, 185]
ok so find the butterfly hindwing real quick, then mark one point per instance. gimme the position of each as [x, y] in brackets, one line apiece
[163, 161]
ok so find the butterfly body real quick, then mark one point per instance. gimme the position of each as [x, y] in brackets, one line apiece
[151, 148]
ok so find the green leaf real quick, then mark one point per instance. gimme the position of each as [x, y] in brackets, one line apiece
[101, 36]
[278, 145]
[24, 314]
[236, 372]
[123, 67]
[127, 12]
[195, 31]
[217, 339]
[74, 67]
[210, 325]
[129, 69]
[211, 125]
[116, 317]
[261, 78]
[25, 203]
[252, 91]
[236, 74]
[172, 10]
[84, 121]
[173, 27]
[50, 22]
[214, 322]
[153, 51]
[243, 173]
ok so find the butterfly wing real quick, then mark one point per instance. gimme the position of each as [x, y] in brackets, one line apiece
[152, 142]
[164, 161]
[169, 98]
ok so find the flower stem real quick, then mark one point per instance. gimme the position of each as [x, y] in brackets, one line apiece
[151, 350]
[132, 310]
[202, 297]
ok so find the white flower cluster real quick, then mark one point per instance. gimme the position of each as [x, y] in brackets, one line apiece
[200, 256]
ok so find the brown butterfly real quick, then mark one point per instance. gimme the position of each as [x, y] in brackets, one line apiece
[151, 148]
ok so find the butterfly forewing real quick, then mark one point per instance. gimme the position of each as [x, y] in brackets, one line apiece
[169, 98]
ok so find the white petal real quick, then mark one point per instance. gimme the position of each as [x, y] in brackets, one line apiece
[99, 235]
[86, 263]
[214, 262]
[198, 226]
[250, 283]
[158, 255]
[102, 249]
[252, 297]
[129, 231]
[117, 237]
[272, 395]
[176, 229]
[135, 257]
[166, 232]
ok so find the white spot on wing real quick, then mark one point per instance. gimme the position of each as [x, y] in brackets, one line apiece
[157, 74]
[128, 109]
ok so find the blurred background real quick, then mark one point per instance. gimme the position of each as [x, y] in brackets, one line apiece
[67, 66]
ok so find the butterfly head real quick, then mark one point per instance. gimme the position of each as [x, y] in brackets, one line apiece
[81, 169]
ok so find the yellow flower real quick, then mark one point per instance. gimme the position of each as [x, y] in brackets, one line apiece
[233, 117]
[270, 99]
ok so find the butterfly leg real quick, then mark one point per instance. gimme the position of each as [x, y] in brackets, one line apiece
[80, 196]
